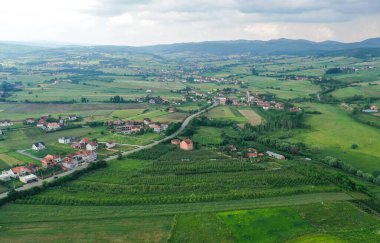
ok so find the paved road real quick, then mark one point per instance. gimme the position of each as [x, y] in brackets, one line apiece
[40, 182]
[27, 154]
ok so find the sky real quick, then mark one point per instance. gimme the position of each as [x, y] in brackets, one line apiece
[148, 22]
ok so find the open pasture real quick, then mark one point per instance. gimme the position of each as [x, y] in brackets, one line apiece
[334, 131]
[229, 113]
[251, 115]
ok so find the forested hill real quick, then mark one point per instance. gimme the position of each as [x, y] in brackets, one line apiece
[369, 47]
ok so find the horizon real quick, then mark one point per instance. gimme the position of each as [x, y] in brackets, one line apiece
[151, 22]
[54, 44]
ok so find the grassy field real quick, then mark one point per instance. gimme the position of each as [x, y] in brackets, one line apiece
[334, 131]
[200, 228]
[11, 161]
[265, 225]
[229, 113]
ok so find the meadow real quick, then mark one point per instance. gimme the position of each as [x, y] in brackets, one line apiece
[334, 131]
[229, 113]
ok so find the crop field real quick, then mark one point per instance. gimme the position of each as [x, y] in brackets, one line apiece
[372, 91]
[254, 118]
[226, 113]
[180, 177]
[334, 131]
[10, 161]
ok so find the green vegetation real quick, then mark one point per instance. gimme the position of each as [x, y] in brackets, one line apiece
[265, 225]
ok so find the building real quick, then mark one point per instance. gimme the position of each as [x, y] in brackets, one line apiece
[73, 160]
[28, 178]
[157, 128]
[50, 160]
[175, 141]
[92, 146]
[147, 121]
[186, 144]
[275, 155]
[295, 109]
[279, 106]
[20, 170]
[172, 110]
[64, 140]
[252, 155]
[6, 123]
[30, 121]
[110, 144]
[52, 126]
[73, 117]
[38, 146]
[231, 148]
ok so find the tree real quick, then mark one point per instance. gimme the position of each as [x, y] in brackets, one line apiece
[354, 146]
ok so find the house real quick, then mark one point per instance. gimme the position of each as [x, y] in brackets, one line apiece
[6, 123]
[69, 163]
[73, 160]
[222, 100]
[157, 128]
[64, 140]
[186, 144]
[152, 101]
[6, 175]
[231, 148]
[73, 117]
[275, 155]
[164, 126]
[252, 155]
[1, 133]
[41, 124]
[52, 126]
[32, 167]
[147, 121]
[30, 120]
[175, 141]
[172, 110]
[20, 170]
[295, 109]
[92, 146]
[279, 106]
[79, 145]
[50, 160]
[84, 140]
[28, 178]
[374, 108]
[38, 146]
[110, 144]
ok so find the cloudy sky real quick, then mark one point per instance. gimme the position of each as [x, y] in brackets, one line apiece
[145, 22]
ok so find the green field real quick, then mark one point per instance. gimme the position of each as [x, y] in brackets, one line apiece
[334, 131]
[229, 113]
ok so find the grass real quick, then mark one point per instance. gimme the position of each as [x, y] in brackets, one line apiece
[254, 118]
[334, 131]
[265, 225]
[317, 238]
[141, 229]
[226, 113]
[200, 228]
[208, 135]
[11, 161]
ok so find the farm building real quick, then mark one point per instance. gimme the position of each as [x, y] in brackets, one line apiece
[73, 117]
[30, 120]
[38, 146]
[28, 178]
[275, 155]
[186, 144]
[175, 141]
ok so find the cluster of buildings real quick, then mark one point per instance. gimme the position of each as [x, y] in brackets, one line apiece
[266, 105]
[71, 161]
[47, 124]
[24, 173]
[84, 143]
[6, 123]
[254, 153]
[130, 127]
[203, 79]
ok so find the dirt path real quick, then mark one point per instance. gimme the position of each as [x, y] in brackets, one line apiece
[254, 118]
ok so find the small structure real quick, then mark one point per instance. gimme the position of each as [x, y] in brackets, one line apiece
[64, 140]
[110, 144]
[172, 110]
[73, 117]
[275, 155]
[157, 128]
[231, 148]
[38, 146]
[252, 155]
[295, 109]
[28, 178]
[175, 141]
[186, 144]
[147, 121]
[30, 120]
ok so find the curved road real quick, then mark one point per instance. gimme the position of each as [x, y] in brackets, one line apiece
[183, 126]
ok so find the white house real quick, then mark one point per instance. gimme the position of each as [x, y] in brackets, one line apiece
[38, 146]
[73, 117]
[275, 155]
[110, 144]
[92, 146]
[28, 178]
[64, 140]
[52, 126]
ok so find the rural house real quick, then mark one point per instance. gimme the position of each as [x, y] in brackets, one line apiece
[38, 146]
[52, 126]
[64, 140]
[50, 160]
[28, 178]
[92, 146]
[6, 123]
[186, 144]
[275, 155]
